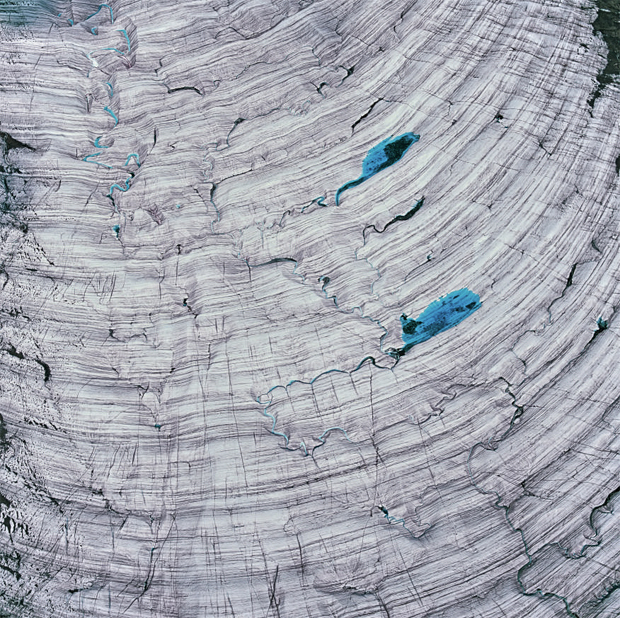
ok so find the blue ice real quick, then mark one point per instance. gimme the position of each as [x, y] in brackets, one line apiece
[107, 109]
[96, 154]
[440, 315]
[126, 37]
[117, 186]
[388, 152]
[97, 144]
[97, 11]
[134, 156]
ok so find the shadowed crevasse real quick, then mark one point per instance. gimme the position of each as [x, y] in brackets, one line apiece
[440, 315]
[408, 215]
[383, 155]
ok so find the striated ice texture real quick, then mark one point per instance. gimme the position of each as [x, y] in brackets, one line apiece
[213, 216]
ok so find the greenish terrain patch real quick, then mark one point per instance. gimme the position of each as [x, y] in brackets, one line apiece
[607, 24]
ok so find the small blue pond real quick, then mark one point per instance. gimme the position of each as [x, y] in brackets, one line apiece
[440, 315]
[388, 152]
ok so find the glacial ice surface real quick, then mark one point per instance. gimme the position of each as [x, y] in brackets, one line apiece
[206, 407]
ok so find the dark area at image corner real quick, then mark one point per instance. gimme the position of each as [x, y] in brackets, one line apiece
[607, 25]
